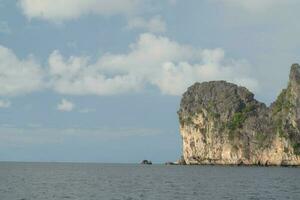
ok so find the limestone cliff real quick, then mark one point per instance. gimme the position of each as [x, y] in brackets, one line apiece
[222, 123]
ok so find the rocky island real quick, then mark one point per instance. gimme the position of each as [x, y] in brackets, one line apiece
[222, 123]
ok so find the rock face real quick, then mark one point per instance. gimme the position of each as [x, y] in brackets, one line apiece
[222, 123]
[146, 162]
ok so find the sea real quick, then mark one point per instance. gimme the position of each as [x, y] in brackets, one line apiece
[87, 181]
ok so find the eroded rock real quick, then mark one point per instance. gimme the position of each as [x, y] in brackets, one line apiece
[222, 123]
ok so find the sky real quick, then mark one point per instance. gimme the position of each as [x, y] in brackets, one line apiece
[101, 80]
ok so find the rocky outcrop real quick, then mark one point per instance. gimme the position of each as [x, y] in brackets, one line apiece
[146, 162]
[222, 123]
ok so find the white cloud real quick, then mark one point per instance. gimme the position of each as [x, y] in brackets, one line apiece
[65, 106]
[175, 78]
[76, 76]
[18, 76]
[4, 104]
[61, 10]
[152, 60]
[154, 24]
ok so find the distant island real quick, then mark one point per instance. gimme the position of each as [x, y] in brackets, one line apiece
[221, 123]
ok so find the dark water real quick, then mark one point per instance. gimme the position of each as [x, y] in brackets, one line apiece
[41, 181]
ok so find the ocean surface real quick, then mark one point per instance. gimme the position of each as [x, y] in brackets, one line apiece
[42, 181]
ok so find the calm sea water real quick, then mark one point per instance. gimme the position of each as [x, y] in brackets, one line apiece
[41, 181]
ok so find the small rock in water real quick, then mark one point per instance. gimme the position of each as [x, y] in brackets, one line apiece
[146, 162]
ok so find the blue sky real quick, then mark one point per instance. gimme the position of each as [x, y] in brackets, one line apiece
[101, 80]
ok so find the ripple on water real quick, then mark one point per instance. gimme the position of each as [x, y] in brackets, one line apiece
[31, 181]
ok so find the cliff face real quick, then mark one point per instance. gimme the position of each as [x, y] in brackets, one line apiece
[221, 123]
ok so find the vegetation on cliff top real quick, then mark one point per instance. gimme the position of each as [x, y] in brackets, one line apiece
[233, 110]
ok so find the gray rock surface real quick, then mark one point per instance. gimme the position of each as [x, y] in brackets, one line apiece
[222, 123]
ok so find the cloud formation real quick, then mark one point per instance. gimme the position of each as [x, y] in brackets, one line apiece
[18, 76]
[151, 61]
[76, 76]
[58, 11]
[154, 25]
[65, 106]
